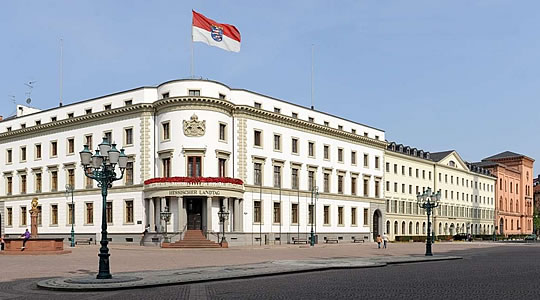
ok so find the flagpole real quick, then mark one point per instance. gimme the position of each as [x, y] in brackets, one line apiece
[192, 54]
[312, 52]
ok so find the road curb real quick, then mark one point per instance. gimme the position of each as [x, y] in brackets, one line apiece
[147, 279]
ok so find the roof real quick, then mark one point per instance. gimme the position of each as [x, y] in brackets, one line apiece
[437, 156]
[505, 154]
[486, 163]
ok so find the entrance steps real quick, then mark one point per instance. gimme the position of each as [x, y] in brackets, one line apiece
[192, 239]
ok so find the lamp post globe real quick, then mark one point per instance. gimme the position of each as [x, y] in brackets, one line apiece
[428, 201]
[223, 217]
[100, 167]
[69, 192]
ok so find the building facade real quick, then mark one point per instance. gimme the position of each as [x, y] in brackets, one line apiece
[196, 147]
[467, 193]
[514, 192]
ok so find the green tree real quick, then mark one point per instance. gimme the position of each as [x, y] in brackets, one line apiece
[536, 221]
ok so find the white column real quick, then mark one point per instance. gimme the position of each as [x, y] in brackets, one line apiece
[226, 205]
[181, 219]
[209, 214]
[152, 214]
[236, 215]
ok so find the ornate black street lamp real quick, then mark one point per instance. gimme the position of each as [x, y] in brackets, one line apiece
[101, 167]
[223, 217]
[166, 217]
[314, 195]
[69, 192]
[428, 201]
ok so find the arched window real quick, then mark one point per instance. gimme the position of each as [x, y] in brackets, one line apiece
[403, 228]
[511, 205]
[517, 205]
[410, 228]
[505, 224]
[417, 228]
[440, 228]
[452, 163]
[512, 225]
[424, 228]
[517, 225]
[396, 232]
[388, 227]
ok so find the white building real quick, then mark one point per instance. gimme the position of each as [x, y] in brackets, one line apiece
[467, 193]
[195, 146]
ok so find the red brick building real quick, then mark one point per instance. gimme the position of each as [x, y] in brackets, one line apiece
[513, 193]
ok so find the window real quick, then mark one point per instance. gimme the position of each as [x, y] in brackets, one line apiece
[311, 213]
[395, 168]
[326, 211]
[311, 180]
[39, 216]
[54, 214]
[54, 148]
[89, 213]
[326, 123]
[277, 176]
[222, 132]
[128, 136]
[376, 162]
[257, 216]
[88, 141]
[54, 181]
[366, 187]
[38, 151]
[366, 217]
[71, 145]
[23, 183]
[70, 115]
[366, 160]
[194, 166]
[9, 216]
[23, 216]
[277, 110]
[340, 184]
[53, 119]
[326, 182]
[377, 188]
[340, 215]
[23, 125]
[9, 156]
[326, 152]
[165, 131]
[107, 107]
[70, 213]
[90, 181]
[257, 174]
[257, 105]
[88, 111]
[311, 149]
[353, 216]
[388, 186]
[129, 211]
[340, 127]
[410, 171]
[294, 213]
[222, 96]
[128, 102]
[353, 157]
[109, 212]
[295, 115]
[294, 145]
[8, 129]
[257, 138]
[194, 92]
[277, 142]
[340, 155]
[353, 185]
[129, 174]
[311, 119]
[167, 167]
[277, 212]
[71, 177]
[38, 182]
[294, 178]
[23, 153]
[353, 131]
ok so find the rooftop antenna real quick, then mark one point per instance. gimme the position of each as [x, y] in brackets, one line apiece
[61, 70]
[312, 53]
[12, 99]
[30, 86]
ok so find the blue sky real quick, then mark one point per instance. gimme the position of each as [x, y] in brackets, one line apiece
[436, 75]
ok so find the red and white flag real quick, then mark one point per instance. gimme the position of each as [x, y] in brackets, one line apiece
[208, 31]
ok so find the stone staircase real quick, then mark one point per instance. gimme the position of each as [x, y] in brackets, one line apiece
[192, 239]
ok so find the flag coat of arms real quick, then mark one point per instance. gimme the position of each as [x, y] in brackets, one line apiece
[224, 36]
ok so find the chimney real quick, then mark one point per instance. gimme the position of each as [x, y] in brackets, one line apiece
[2, 117]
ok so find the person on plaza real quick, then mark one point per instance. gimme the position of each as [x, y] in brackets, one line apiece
[2, 243]
[25, 236]
[379, 241]
[143, 235]
[385, 240]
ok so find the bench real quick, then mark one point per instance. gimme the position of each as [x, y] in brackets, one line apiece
[358, 240]
[300, 241]
[83, 241]
[331, 240]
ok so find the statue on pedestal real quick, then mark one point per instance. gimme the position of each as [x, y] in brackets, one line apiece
[33, 218]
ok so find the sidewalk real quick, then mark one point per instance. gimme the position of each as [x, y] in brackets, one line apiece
[126, 258]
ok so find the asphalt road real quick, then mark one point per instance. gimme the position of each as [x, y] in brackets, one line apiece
[506, 272]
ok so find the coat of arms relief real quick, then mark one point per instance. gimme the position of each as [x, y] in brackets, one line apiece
[194, 127]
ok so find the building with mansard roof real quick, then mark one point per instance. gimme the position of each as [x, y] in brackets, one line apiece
[195, 147]
[467, 193]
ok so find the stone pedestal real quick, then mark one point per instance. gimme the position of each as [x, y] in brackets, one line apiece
[33, 223]
[34, 246]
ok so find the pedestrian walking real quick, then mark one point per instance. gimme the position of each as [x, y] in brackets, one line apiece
[385, 240]
[379, 241]
[25, 236]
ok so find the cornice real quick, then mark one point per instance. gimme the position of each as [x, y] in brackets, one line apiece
[196, 101]
[113, 113]
[302, 124]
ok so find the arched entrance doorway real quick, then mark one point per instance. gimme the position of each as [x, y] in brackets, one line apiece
[501, 226]
[377, 223]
